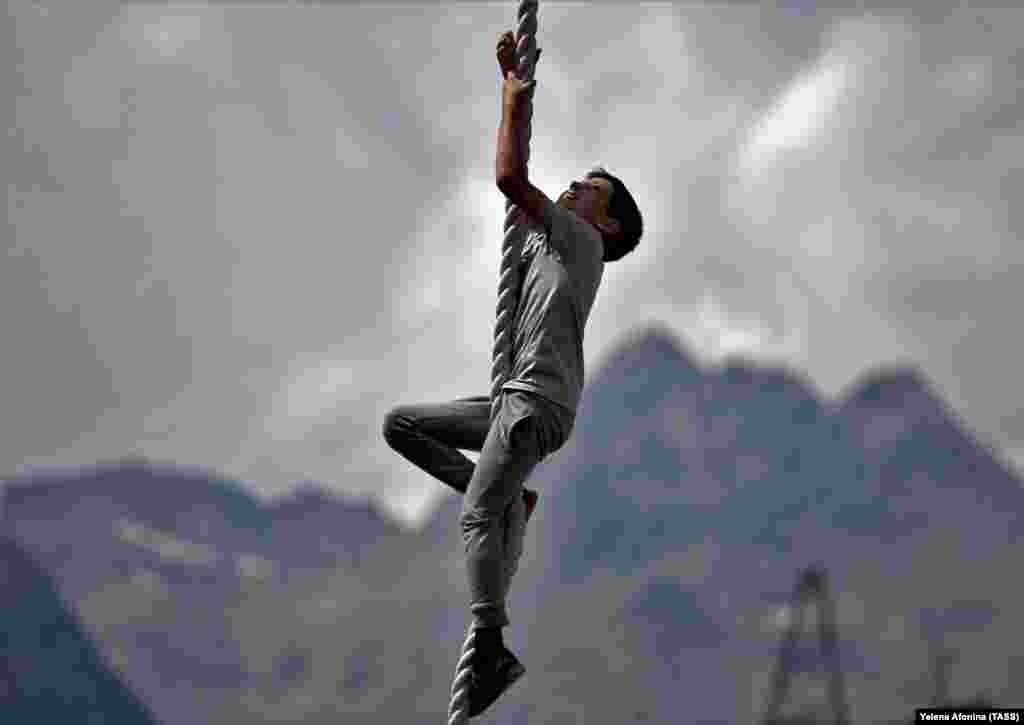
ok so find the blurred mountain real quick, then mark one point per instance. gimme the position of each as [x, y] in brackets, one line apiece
[187, 523]
[157, 556]
[656, 578]
[676, 517]
[50, 671]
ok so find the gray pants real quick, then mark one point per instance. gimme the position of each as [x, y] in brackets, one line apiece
[526, 430]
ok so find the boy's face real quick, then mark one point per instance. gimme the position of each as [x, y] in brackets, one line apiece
[588, 199]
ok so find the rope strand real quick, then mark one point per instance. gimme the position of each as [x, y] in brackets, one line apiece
[512, 245]
[458, 708]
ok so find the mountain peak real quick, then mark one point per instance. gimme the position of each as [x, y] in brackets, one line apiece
[888, 386]
[638, 370]
[657, 338]
[739, 369]
[654, 343]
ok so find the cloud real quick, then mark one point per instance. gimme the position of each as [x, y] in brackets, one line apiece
[968, 79]
[170, 34]
[799, 118]
[311, 392]
[718, 337]
[192, 37]
[236, 242]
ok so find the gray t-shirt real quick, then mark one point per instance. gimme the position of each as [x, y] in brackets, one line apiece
[560, 272]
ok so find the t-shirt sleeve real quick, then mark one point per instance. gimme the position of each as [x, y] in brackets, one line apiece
[567, 233]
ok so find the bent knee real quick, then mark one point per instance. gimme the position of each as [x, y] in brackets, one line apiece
[480, 517]
[397, 423]
[478, 520]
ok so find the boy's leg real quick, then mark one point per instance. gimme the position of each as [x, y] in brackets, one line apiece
[493, 512]
[429, 436]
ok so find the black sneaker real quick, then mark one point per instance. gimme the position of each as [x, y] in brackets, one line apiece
[490, 678]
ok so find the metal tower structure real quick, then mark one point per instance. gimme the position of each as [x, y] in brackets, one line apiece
[811, 590]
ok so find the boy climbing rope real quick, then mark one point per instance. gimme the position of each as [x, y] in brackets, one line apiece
[595, 221]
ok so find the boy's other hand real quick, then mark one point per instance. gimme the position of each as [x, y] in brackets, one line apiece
[506, 53]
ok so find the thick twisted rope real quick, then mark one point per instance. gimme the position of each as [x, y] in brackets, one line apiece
[458, 708]
[512, 246]
[508, 285]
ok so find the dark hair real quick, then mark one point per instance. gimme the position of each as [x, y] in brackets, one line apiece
[623, 209]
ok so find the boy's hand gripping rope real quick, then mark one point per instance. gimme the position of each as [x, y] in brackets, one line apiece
[508, 283]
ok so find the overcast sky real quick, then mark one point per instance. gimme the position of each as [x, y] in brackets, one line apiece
[237, 235]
